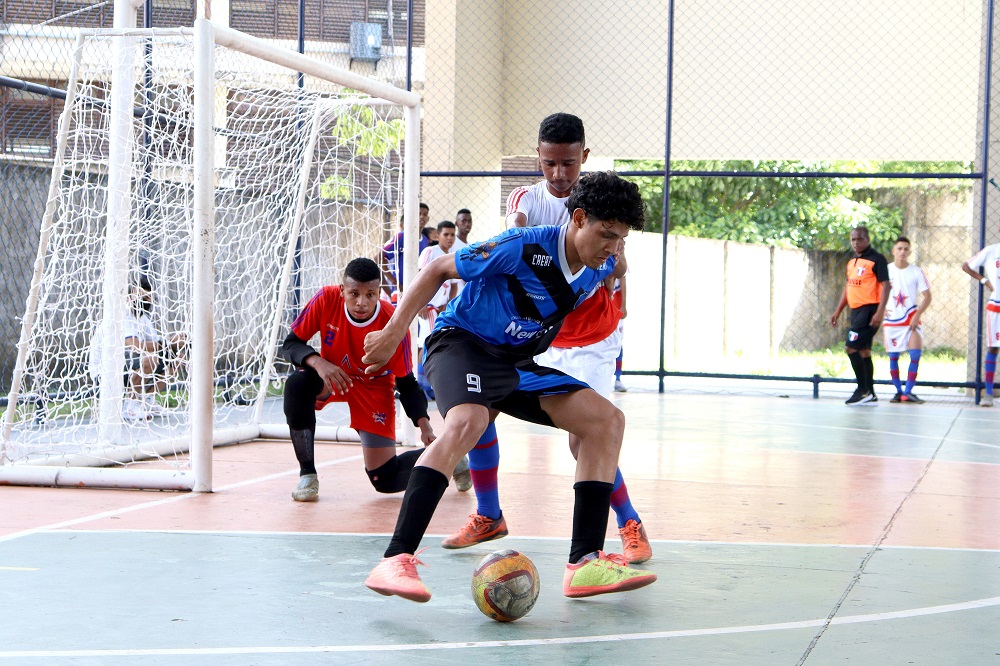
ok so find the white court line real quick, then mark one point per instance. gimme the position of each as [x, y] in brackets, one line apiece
[161, 502]
[520, 537]
[569, 640]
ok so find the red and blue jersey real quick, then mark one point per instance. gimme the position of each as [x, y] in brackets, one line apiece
[342, 340]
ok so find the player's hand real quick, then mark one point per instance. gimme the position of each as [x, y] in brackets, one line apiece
[877, 318]
[422, 313]
[426, 432]
[624, 311]
[988, 285]
[379, 348]
[335, 380]
[833, 319]
[915, 323]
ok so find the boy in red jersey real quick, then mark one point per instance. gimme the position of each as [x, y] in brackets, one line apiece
[343, 315]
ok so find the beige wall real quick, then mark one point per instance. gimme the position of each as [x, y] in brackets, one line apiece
[752, 78]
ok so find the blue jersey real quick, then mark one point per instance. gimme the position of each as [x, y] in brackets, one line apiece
[519, 288]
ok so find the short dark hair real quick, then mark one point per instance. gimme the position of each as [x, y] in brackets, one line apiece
[463, 211]
[902, 239]
[607, 197]
[864, 229]
[426, 231]
[142, 282]
[424, 206]
[445, 224]
[362, 269]
[561, 128]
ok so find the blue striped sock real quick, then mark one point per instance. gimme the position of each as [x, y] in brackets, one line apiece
[484, 459]
[621, 503]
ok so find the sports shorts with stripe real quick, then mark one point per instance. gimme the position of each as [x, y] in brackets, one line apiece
[463, 369]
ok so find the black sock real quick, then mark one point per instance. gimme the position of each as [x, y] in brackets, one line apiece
[393, 476]
[302, 440]
[590, 517]
[423, 493]
[859, 370]
[870, 374]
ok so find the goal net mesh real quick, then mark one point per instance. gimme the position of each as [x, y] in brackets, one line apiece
[307, 176]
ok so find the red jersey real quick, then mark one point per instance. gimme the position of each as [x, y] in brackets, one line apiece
[594, 320]
[343, 339]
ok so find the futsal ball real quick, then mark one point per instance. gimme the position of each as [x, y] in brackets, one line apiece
[505, 585]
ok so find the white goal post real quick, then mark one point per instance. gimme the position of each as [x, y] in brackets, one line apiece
[225, 180]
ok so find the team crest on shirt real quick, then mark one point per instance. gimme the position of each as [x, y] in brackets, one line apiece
[483, 249]
[379, 417]
[861, 271]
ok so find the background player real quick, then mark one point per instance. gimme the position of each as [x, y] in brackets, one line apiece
[902, 328]
[344, 315]
[988, 259]
[867, 293]
[480, 362]
[448, 290]
[586, 347]
[463, 225]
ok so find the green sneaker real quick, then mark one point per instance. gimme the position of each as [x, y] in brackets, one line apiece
[603, 573]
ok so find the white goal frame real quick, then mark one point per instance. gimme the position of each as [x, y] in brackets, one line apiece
[202, 432]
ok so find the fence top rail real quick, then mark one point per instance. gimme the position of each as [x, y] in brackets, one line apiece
[255, 46]
[134, 32]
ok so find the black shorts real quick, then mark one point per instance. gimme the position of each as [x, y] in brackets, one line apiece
[463, 370]
[860, 334]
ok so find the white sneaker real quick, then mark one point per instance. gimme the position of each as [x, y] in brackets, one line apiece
[134, 410]
[308, 489]
[462, 475]
[152, 407]
[620, 387]
[986, 400]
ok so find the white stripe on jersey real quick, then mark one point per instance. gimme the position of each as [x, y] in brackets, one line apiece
[907, 285]
[538, 205]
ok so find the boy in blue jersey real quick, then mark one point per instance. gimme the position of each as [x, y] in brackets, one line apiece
[479, 358]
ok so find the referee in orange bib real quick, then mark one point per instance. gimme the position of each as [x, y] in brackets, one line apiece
[866, 292]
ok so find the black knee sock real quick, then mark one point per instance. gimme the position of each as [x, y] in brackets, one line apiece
[859, 371]
[302, 440]
[393, 476]
[423, 493]
[590, 517]
[870, 374]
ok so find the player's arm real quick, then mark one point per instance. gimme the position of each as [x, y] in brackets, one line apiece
[925, 301]
[414, 402]
[517, 219]
[297, 351]
[621, 264]
[879, 315]
[381, 345]
[621, 288]
[977, 276]
[840, 308]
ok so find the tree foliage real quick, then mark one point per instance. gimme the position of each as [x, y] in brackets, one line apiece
[809, 213]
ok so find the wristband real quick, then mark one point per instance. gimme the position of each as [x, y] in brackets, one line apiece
[983, 280]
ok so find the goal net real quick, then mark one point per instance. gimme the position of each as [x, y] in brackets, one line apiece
[157, 308]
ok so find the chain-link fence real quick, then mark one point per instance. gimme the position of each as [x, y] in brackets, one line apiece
[760, 133]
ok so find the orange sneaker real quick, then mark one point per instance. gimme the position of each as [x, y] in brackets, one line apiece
[477, 530]
[603, 573]
[398, 576]
[635, 543]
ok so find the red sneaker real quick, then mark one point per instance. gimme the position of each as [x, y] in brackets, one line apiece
[398, 576]
[635, 543]
[477, 530]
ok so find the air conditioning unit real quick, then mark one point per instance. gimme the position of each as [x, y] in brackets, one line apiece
[366, 42]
